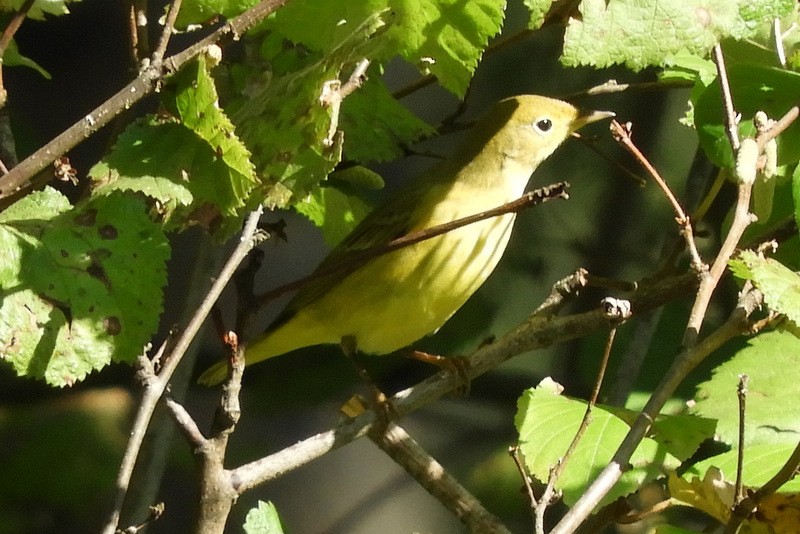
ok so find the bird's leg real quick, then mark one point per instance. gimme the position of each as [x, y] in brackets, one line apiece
[455, 365]
[381, 405]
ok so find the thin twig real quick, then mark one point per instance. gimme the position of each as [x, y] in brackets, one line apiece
[786, 473]
[333, 94]
[731, 121]
[432, 476]
[689, 358]
[622, 134]
[5, 40]
[138, 34]
[612, 87]
[536, 332]
[558, 469]
[741, 395]
[515, 454]
[531, 198]
[778, 127]
[169, 27]
[157, 384]
[21, 176]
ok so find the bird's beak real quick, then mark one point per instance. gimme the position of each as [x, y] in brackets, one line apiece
[589, 117]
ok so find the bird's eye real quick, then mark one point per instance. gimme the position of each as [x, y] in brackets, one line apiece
[543, 125]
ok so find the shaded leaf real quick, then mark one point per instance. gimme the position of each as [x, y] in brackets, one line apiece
[83, 286]
[772, 362]
[547, 423]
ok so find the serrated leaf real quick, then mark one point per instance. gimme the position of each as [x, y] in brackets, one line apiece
[761, 462]
[443, 37]
[39, 7]
[283, 121]
[170, 163]
[199, 11]
[712, 493]
[446, 37]
[771, 360]
[263, 519]
[538, 10]
[753, 88]
[79, 289]
[336, 212]
[779, 284]
[641, 33]
[197, 104]
[196, 167]
[547, 423]
[13, 58]
[376, 126]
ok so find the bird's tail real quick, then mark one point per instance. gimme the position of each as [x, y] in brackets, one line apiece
[214, 374]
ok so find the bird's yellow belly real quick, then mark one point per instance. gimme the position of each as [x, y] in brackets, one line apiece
[420, 288]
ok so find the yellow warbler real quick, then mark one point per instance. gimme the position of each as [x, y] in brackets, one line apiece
[394, 299]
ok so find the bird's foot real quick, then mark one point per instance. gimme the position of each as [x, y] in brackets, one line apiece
[454, 365]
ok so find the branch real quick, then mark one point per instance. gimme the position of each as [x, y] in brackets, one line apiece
[536, 332]
[21, 176]
[684, 363]
[169, 26]
[743, 510]
[616, 311]
[622, 134]
[5, 40]
[432, 476]
[731, 120]
[156, 384]
[355, 259]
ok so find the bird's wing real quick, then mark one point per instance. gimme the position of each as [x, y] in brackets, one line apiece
[390, 221]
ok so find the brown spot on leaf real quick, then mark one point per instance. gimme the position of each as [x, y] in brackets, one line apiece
[95, 270]
[112, 325]
[64, 253]
[108, 231]
[87, 218]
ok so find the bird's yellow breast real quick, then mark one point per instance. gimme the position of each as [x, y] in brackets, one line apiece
[411, 292]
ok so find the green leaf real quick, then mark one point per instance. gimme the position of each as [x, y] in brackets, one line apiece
[336, 212]
[641, 33]
[538, 9]
[753, 88]
[446, 37]
[199, 11]
[263, 520]
[547, 423]
[376, 126]
[196, 168]
[771, 361]
[282, 120]
[39, 8]
[761, 462]
[197, 105]
[681, 435]
[171, 164]
[443, 37]
[79, 288]
[779, 284]
[12, 58]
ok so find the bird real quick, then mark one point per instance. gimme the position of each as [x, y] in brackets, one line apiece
[392, 300]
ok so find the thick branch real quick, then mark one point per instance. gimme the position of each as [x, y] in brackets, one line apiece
[536, 332]
[21, 176]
